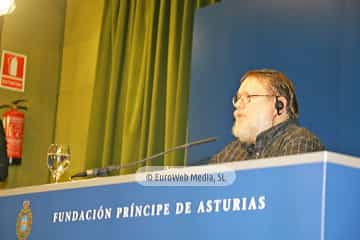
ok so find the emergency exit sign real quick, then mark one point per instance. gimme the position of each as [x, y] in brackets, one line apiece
[13, 69]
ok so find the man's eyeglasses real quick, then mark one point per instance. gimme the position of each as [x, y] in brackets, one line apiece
[245, 98]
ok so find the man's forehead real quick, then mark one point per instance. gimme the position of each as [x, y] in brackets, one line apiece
[252, 83]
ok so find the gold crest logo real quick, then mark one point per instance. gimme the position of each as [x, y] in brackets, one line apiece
[24, 221]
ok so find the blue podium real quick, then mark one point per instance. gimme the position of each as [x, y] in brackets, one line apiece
[306, 196]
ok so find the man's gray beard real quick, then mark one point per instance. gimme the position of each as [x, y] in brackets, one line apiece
[241, 133]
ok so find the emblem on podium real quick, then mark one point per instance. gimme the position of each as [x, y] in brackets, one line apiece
[24, 221]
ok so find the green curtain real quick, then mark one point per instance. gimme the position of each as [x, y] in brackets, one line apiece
[141, 93]
[1, 29]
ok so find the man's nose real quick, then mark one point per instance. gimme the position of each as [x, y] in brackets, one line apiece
[239, 104]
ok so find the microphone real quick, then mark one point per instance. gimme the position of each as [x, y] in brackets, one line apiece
[101, 172]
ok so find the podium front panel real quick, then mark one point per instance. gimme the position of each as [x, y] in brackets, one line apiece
[275, 198]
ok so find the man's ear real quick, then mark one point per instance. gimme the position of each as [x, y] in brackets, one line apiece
[280, 105]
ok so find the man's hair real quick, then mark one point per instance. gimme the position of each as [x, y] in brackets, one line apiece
[280, 85]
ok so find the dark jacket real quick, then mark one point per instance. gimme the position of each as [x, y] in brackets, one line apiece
[4, 162]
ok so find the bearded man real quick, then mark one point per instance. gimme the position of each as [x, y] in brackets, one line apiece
[266, 120]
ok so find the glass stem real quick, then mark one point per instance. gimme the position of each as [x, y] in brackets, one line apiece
[57, 178]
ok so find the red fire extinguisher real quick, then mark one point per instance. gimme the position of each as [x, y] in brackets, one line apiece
[13, 122]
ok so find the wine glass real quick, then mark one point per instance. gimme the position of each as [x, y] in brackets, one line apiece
[58, 160]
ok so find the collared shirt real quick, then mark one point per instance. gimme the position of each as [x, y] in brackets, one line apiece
[285, 138]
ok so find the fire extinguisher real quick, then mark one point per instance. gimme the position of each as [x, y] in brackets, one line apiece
[13, 123]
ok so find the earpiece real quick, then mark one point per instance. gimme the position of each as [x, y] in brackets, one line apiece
[279, 105]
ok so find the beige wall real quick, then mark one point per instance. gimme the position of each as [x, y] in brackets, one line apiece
[60, 39]
[36, 29]
[81, 40]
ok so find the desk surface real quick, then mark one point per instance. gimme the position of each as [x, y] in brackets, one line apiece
[306, 158]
